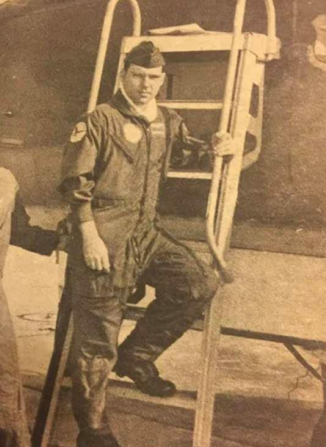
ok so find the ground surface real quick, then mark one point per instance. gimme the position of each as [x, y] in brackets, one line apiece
[264, 397]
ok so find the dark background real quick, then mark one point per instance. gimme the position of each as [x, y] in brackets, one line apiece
[47, 57]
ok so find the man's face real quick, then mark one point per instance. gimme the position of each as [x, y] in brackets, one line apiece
[142, 84]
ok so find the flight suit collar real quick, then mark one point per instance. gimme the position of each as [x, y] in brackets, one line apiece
[149, 112]
[124, 106]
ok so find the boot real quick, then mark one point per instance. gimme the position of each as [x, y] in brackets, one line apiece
[146, 378]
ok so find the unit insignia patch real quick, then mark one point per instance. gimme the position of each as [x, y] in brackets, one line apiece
[78, 133]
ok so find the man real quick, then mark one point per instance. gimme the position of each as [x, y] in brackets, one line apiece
[14, 227]
[112, 171]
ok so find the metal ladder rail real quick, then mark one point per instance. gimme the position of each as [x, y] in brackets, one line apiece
[104, 41]
[213, 317]
[45, 418]
[218, 229]
[216, 248]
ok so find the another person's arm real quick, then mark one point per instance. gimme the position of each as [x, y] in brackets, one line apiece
[22, 233]
[30, 237]
[8, 189]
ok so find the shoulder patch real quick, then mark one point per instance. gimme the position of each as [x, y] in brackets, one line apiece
[78, 133]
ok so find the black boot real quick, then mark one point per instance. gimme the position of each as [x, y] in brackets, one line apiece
[146, 378]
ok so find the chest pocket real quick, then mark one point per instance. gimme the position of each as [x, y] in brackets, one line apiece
[116, 181]
[128, 150]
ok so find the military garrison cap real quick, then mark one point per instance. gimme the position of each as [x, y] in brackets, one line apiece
[146, 55]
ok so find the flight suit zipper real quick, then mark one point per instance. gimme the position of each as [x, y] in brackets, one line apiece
[143, 199]
[148, 147]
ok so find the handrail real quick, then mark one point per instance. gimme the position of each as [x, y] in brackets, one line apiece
[224, 123]
[223, 127]
[272, 40]
[105, 36]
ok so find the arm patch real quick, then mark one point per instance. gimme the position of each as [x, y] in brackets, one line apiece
[79, 132]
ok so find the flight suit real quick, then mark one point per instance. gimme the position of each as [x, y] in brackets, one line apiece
[113, 168]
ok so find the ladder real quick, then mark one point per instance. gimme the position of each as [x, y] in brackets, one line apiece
[248, 53]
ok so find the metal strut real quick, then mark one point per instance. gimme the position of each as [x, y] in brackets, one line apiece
[220, 210]
[104, 41]
[217, 235]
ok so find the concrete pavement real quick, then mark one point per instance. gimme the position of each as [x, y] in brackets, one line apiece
[264, 397]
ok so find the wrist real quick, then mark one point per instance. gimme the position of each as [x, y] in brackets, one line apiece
[88, 229]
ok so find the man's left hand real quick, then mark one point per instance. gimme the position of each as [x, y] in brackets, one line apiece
[223, 144]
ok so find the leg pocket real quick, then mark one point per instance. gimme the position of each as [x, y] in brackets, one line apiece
[91, 283]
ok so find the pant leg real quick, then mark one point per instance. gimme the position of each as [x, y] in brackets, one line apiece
[14, 430]
[184, 285]
[97, 321]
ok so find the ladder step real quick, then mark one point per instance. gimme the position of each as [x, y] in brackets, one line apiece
[210, 41]
[191, 104]
[123, 389]
[127, 390]
[190, 175]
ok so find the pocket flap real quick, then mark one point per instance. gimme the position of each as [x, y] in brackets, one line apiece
[129, 149]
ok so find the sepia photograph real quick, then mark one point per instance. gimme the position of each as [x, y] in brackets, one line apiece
[163, 223]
